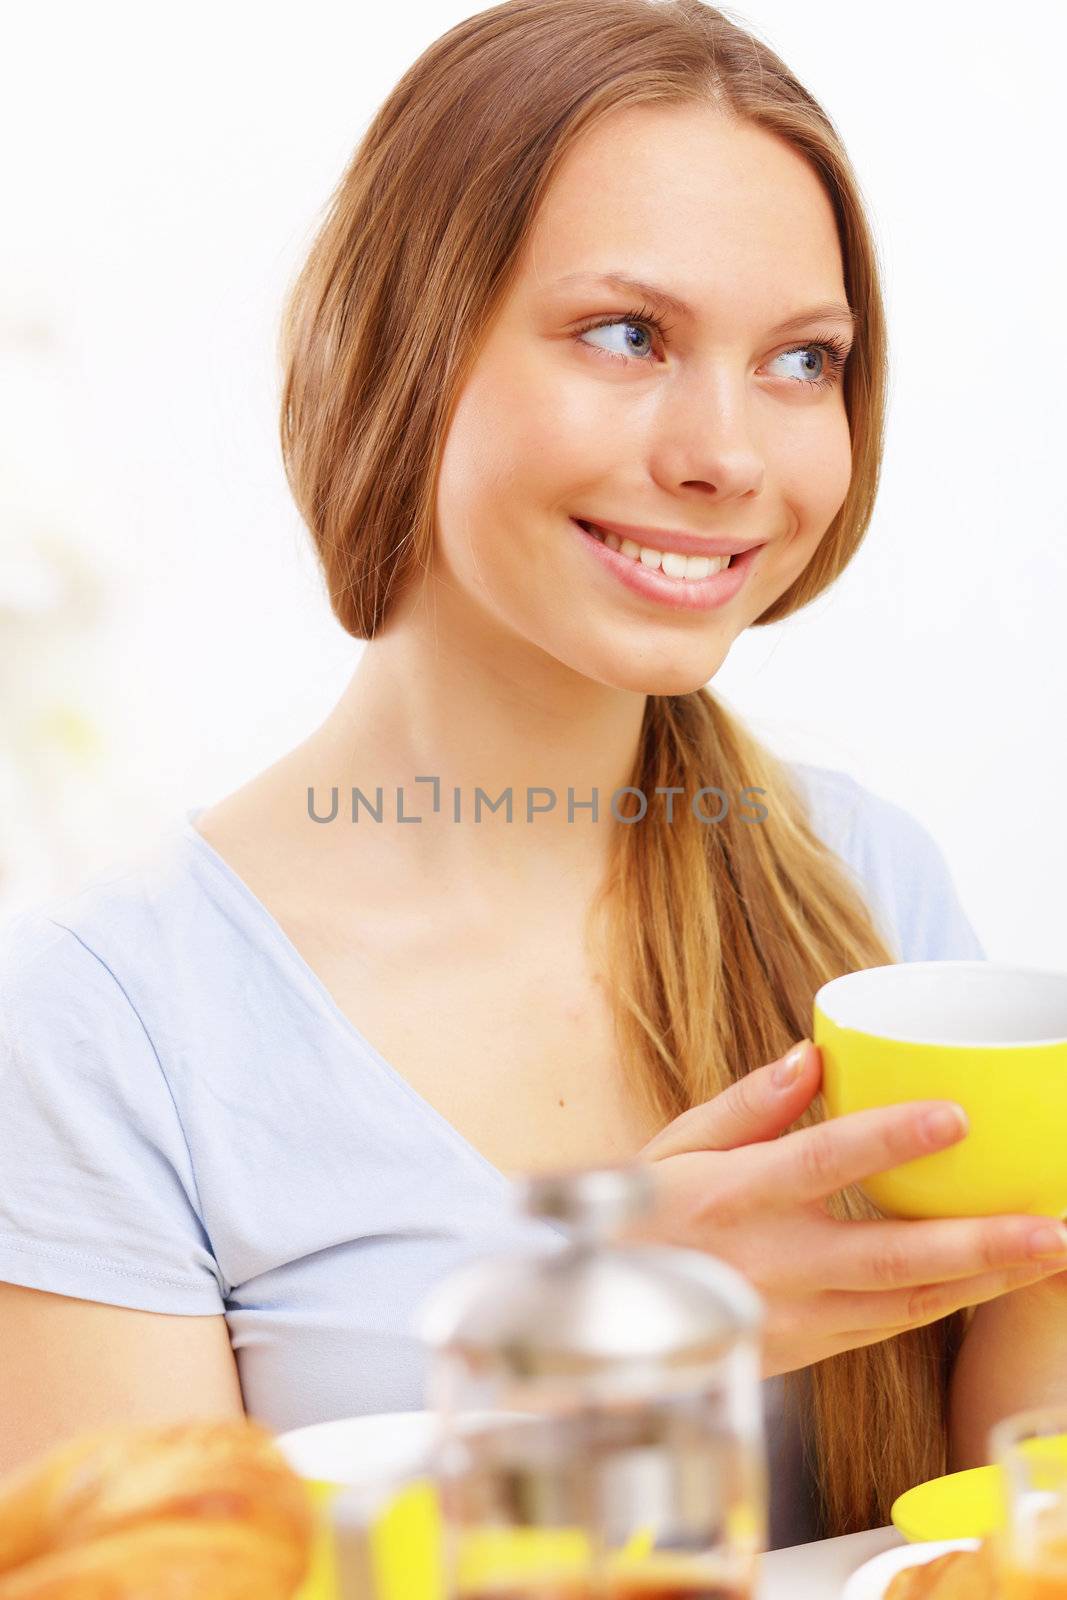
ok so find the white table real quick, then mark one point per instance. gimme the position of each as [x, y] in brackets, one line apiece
[819, 1571]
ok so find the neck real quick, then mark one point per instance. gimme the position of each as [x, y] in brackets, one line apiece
[422, 706]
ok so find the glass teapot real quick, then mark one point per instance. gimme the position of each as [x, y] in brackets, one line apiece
[624, 1451]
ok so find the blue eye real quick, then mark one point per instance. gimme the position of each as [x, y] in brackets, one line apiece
[646, 322]
[833, 353]
[628, 322]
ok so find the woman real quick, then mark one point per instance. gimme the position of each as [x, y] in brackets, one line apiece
[594, 266]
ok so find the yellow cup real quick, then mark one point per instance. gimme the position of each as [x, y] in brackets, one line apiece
[989, 1036]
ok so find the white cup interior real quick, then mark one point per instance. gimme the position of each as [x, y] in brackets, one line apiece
[951, 1002]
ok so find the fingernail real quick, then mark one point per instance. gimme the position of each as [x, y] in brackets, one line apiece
[944, 1125]
[789, 1068]
[1049, 1240]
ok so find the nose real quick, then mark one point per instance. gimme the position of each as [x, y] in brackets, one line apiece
[705, 439]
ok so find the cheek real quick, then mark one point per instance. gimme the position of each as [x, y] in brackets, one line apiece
[496, 477]
[519, 446]
[817, 473]
[504, 428]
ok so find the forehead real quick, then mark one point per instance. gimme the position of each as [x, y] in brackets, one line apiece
[727, 215]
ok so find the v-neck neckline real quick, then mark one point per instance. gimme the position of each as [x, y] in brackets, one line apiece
[337, 1016]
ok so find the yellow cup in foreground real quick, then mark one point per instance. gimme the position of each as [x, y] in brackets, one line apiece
[989, 1036]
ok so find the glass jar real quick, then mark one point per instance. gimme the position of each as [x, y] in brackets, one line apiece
[625, 1454]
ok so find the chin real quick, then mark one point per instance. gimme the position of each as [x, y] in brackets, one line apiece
[662, 678]
[678, 685]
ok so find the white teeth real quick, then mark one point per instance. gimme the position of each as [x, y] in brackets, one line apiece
[668, 561]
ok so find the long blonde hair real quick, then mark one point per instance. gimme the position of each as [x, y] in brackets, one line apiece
[716, 937]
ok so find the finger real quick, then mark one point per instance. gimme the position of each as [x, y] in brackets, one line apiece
[901, 1309]
[897, 1255]
[759, 1106]
[814, 1163]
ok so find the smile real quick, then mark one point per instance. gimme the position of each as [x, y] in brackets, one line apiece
[668, 561]
[685, 583]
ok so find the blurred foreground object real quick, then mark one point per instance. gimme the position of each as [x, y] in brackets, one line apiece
[622, 1447]
[209, 1510]
[960, 1575]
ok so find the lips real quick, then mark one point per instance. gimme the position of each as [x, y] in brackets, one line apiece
[680, 594]
[599, 533]
[670, 540]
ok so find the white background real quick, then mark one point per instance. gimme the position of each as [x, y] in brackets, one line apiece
[163, 171]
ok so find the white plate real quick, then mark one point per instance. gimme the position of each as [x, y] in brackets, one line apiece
[871, 1581]
[373, 1449]
[356, 1449]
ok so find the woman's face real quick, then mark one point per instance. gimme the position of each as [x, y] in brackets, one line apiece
[721, 423]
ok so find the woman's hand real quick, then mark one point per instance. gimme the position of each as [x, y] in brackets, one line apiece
[727, 1184]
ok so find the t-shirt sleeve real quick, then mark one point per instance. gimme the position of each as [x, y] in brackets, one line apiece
[910, 878]
[97, 1192]
[898, 865]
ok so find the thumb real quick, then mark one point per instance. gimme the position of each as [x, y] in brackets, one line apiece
[757, 1107]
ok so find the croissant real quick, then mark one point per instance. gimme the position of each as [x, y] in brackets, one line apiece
[959, 1575]
[191, 1511]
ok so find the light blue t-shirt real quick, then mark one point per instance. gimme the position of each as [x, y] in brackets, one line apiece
[189, 1124]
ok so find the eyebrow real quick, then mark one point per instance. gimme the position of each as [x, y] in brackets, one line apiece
[827, 311]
